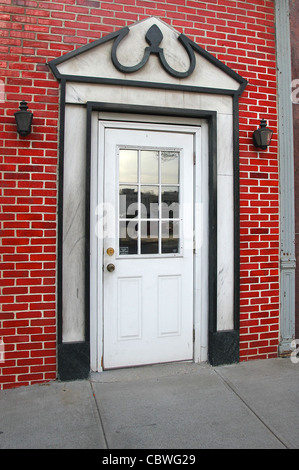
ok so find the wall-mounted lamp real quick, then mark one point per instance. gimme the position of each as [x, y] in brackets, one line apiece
[23, 119]
[262, 136]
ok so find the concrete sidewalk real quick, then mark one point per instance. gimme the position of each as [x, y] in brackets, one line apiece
[250, 405]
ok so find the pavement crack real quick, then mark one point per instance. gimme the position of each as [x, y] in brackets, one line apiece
[234, 390]
[99, 414]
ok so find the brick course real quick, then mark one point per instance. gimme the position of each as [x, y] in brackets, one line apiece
[32, 32]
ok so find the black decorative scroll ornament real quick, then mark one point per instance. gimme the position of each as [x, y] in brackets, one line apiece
[154, 37]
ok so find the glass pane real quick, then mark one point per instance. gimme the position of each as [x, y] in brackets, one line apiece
[128, 237]
[128, 199]
[149, 201]
[128, 166]
[170, 202]
[150, 237]
[170, 167]
[149, 166]
[170, 237]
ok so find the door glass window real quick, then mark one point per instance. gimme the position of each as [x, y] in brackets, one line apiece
[170, 167]
[128, 201]
[128, 166]
[149, 166]
[149, 198]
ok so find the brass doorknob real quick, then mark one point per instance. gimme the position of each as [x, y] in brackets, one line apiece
[110, 267]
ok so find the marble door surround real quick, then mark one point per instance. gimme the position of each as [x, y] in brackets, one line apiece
[146, 72]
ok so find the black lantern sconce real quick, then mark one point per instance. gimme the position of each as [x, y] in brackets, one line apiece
[23, 119]
[262, 136]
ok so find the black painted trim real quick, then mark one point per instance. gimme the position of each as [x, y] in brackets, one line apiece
[70, 354]
[153, 37]
[60, 213]
[119, 34]
[87, 225]
[150, 85]
[212, 268]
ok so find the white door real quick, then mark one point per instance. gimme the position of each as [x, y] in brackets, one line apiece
[148, 246]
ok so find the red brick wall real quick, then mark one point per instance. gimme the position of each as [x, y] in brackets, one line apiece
[32, 32]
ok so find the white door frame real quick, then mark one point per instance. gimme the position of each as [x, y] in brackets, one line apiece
[199, 129]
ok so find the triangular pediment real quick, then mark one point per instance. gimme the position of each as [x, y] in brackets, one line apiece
[151, 52]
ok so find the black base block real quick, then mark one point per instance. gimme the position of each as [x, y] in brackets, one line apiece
[73, 361]
[224, 347]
